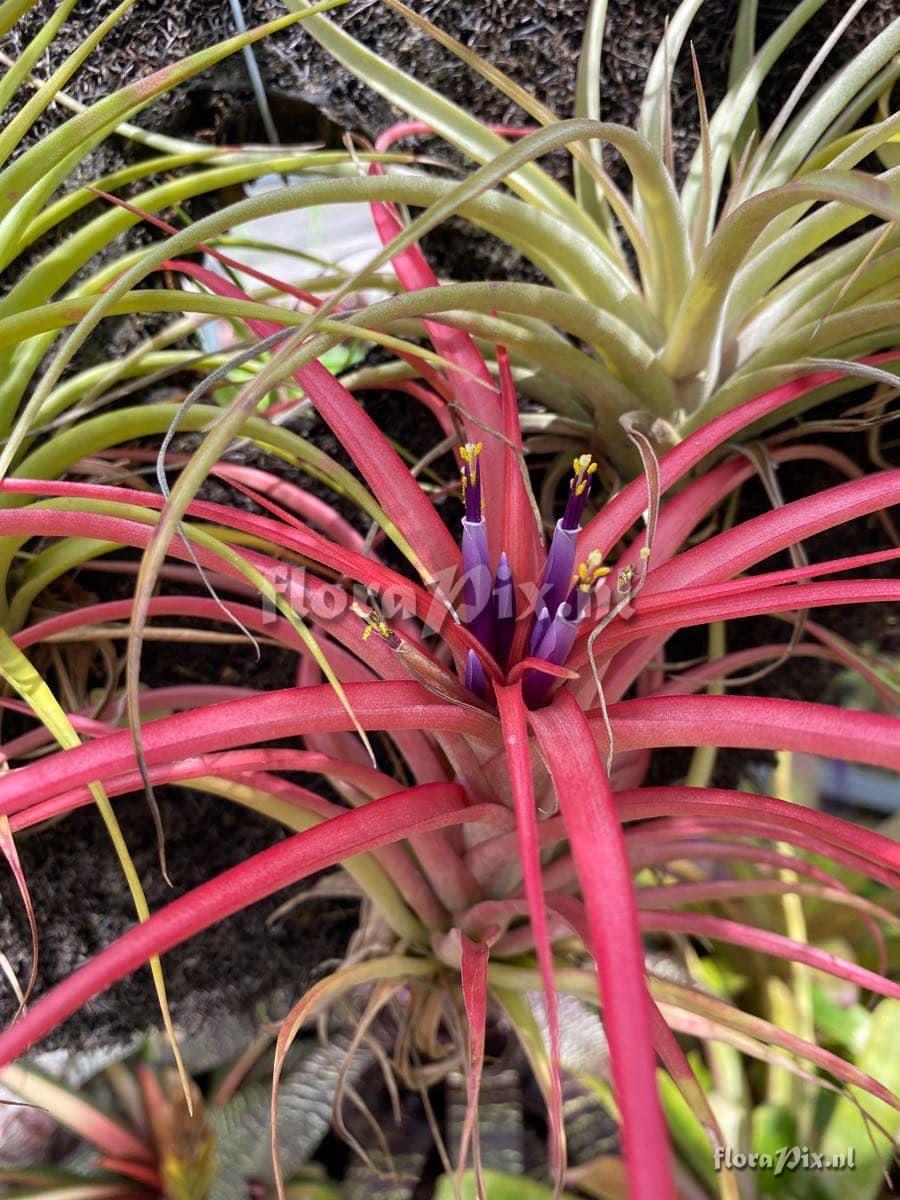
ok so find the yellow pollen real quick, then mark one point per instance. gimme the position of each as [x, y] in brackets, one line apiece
[590, 571]
[374, 623]
[583, 467]
[469, 454]
[375, 626]
[625, 577]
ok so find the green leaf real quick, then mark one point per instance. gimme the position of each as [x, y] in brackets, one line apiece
[31, 178]
[45, 94]
[846, 1130]
[448, 120]
[11, 11]
[687, 1132]
[727, 124]
[772, 1128]
[693, 344]
[848, 1026]
[497, 1186]
[814, 120]
[18, 70]
[587, 104]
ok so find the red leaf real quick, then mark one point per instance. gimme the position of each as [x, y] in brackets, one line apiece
[598, 847]
[395, 488]
[473, 976]
[513, 721]
[389, 819]
[766, 942]
[617, 517]
[755, 722]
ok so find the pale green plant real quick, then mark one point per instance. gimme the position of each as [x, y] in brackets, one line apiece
[753, 267]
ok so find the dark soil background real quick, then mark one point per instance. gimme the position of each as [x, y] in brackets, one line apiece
[79, 895]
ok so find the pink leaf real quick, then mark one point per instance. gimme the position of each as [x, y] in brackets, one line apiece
[617, 517]
[513, 720]
[766, 942]
[755, 722]
[11, 854]
[598, 847]
[395, 488]
[389, 819]
[473, 976]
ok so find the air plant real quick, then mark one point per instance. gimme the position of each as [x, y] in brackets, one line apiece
[488, 712]
[687, 296]
[161, 1144]
[41, 255]
[132, 1131]
[521, 690]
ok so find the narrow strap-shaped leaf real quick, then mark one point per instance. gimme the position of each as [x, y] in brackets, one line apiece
[693, 343]
[473, 979]
[625, 508]
[385, 472]
[598, 847]
[19, 673]
[735, 115]
[17, 128]
[514, 724]
[75, 1113]
[11, 854]
[587, 104]
[36, 173]
[449, 120]
[383, 821]
[757, 723]
[766, 942]
[734, 550]
[19, 67]
[263, 717]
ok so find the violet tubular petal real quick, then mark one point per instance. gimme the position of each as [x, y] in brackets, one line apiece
[475, 680]
[504, 610]
[478, 583]
[560, 566]
[553, 647]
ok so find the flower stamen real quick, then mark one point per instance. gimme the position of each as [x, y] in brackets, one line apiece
[471, 479]
[583, 470]
[590, 571]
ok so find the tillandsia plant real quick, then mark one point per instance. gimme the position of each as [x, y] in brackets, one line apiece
[57, 250]
[491, 703]
[686, 296]
[129, 1130]
[161, 1144]
[509, 694]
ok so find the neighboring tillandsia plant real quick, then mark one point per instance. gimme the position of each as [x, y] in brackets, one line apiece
[156, 1146]
[502, 844]
[724, 302]
[131, 1132]
[59, 238]
[43, 250]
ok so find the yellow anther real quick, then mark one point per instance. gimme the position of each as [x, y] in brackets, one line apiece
[374, 623]
[626, 575]
[583, 467]
[590, 571]
[470, 451]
